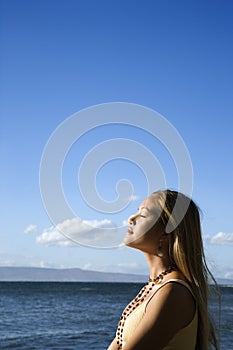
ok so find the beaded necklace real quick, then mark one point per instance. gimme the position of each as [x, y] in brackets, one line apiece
[140, 297]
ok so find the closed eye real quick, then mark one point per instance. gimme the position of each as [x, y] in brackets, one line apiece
[143, 216]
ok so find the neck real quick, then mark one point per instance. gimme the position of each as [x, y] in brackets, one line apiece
[157, 264]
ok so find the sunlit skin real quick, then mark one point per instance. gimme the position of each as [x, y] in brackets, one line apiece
[144, 234]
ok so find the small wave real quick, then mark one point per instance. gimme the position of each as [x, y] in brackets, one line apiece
[51, 333]
[86, 289]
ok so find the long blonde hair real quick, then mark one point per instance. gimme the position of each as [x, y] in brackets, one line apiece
[187, 254]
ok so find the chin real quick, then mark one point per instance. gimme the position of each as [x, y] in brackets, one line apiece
[129, 240]
[132, 242]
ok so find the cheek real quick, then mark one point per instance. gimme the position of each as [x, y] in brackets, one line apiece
[147, 226]
[145, 231]
[143, 239]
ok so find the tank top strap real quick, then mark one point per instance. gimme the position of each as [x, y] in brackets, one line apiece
[175, 280]
[185, 284]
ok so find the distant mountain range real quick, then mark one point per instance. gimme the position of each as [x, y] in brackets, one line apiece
[65, 275]
[38, 274]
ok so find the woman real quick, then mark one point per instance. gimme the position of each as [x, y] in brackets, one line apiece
[170, 312]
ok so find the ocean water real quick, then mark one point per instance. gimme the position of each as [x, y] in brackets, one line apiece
[76, 316]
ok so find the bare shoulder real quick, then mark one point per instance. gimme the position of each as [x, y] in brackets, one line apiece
[175, 302]
[170, 309]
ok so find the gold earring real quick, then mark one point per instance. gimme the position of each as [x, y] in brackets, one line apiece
[160, 249]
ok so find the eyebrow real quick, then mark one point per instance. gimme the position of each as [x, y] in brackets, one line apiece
[143, 208]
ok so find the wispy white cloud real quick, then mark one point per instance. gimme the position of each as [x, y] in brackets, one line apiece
[221, 271]
[125, 223]
[220, 238]
[229, 274]
[124, 267]
[88, 266]
[134, 198]
[31, 228]
[90, 232]
[18, 260]
[8, 262]
[52, 237]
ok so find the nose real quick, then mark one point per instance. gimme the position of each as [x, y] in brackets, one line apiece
[132, 220]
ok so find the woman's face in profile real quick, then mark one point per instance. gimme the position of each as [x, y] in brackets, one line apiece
[141, 225]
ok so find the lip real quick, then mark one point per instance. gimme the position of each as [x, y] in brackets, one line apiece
[130, 230]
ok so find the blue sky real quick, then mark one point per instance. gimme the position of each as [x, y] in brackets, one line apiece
[59, 57]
